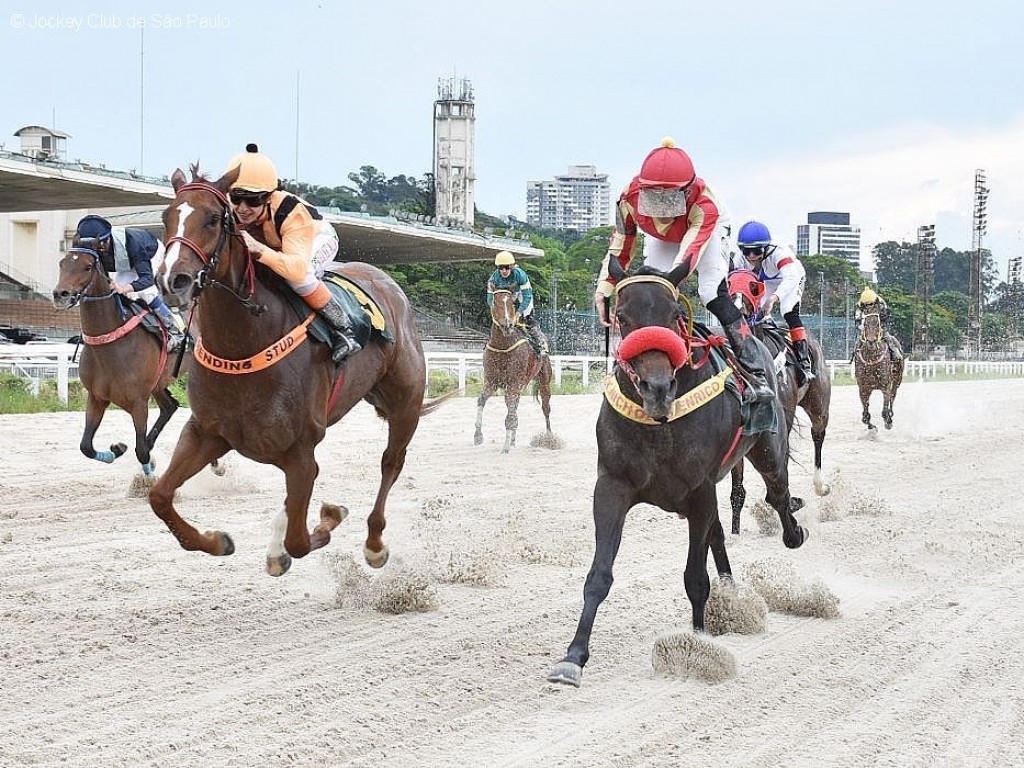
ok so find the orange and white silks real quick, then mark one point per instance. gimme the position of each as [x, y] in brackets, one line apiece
[264, 359]
[682, 405]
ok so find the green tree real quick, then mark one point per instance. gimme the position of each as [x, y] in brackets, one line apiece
[895, 265]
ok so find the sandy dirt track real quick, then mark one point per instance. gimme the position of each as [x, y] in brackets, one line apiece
[119, 648]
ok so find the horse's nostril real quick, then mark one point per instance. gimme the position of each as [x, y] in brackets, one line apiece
[180, 283]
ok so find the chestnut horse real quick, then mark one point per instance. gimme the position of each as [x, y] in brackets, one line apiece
[874, 368]
[121, 363]
[266, 390]
[815, 397]
[669, 429]
[510, 364]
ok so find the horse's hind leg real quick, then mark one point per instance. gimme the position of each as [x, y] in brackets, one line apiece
[168, 405]
[772, 463]
[401, 427]
[716, 540]
[94, 410]
[544, 389]
[511, 419]
[193, 452]
[300, 470]
[737, 496]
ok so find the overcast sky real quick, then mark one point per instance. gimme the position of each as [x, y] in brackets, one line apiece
[786, 107]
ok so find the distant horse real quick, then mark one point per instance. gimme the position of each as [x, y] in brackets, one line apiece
[121, 363]
[669, 429]
[510, 364]
[874, 369]
[814, 398]
[266, 390]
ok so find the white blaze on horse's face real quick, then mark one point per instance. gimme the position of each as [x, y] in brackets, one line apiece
[171, 256]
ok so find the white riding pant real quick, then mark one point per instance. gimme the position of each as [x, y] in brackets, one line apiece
[712, 267]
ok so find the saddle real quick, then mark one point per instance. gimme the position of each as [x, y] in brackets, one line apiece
[361, 308]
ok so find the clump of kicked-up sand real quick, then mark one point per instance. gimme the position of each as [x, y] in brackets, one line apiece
[786, 592]
[767, 519]
[691, 656]
[735, 608]
[398, 589]
[547, 440]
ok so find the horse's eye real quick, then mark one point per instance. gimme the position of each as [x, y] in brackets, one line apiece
[212, 220]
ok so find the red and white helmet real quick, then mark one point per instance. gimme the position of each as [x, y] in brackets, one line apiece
[666, 167]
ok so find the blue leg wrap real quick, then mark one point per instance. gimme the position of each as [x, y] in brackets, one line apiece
[107, 457]
[147, 469]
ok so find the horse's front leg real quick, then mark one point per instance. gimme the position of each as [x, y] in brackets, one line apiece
[612, 500]
[289, 535]
[705, 530]
[193, 452]
[511, 419]
[94, 410]
[481, 401]
[737, 496]
[887, 410]
[865, 399]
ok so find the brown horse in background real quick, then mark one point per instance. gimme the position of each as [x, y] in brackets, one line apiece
[874, 369]
[286, 391]
[669, 429]
[121, 362]
[510, 364]
[815, 397]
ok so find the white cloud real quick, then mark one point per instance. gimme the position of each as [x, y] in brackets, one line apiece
[893, 182]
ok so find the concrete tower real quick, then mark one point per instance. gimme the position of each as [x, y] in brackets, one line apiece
[454, 151]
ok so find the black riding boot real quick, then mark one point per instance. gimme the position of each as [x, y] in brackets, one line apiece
[744, 346]
[803, 359]
[343, 340]
[175, 334]
[536, 336]
[894, 349]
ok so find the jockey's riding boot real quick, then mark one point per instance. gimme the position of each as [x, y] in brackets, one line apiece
[537, 339]
[343, 340]
[170, 321]
[894, 349]
[803, 359]
[744, 346]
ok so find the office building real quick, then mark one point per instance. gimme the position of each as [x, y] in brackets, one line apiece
[829, 233]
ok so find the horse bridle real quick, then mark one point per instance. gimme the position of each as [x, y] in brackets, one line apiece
[210, 261]
[80, 296]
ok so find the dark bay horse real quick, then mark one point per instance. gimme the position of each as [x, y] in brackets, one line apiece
[814, 397]
[121, 362]
[510, 364]
[667, 432]
[874, 369]
[285, 391]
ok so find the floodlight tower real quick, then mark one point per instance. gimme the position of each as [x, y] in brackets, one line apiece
[979, 228]
[924, 278]
[454, 151]
[1015, 295]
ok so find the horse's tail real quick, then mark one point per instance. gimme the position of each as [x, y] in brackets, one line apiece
[429, 406]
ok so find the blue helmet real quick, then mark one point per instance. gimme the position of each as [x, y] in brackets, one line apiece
[754, 233]
[94, 226]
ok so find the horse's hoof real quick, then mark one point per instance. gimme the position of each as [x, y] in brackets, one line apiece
[225, 546]
[798, 541]
[217, 468]
[795, 504]
[566, 673]
[478, 439]
[333, 514]
[888, 425]
[118, 449]
[278, 566]
[376, 559]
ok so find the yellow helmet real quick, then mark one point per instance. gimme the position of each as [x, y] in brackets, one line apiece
[256, 172]
[504, 259]
[868, 296]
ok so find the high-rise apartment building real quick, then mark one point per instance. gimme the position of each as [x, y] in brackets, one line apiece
[829, 233]
[580, 200]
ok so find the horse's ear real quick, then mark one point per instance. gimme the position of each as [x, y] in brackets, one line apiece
[224, 182]
[615, 269]
[678, 273]
[177, 179]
